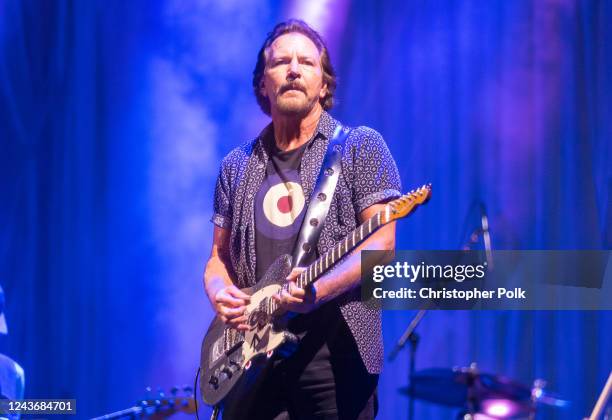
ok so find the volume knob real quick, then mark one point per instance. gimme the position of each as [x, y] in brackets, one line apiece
[227, 371]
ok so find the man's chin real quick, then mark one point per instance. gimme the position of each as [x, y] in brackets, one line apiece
[294, 108]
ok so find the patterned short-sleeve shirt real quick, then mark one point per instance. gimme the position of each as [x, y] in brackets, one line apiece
[369, 176]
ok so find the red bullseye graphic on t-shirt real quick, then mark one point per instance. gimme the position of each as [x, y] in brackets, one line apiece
[281, 203]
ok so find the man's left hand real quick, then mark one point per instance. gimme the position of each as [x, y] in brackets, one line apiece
[295, 299]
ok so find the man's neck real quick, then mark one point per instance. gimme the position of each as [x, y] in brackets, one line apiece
[292, 132]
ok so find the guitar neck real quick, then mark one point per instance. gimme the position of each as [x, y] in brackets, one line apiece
[335, 254]
[131, 412]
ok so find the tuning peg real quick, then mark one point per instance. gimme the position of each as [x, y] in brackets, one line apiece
[187, 389]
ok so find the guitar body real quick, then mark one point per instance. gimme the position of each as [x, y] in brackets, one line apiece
[232, 360]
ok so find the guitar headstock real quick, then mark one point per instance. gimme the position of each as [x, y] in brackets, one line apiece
[166, 405]
[406, 204]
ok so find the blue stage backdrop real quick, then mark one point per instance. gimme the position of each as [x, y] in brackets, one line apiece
[114, 116]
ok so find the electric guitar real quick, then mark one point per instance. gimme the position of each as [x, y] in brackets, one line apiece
[157, 408]
[230, 356]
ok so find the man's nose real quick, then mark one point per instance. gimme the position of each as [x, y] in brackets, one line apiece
[294, 69]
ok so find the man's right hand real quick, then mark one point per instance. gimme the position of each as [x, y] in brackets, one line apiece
[230, 304]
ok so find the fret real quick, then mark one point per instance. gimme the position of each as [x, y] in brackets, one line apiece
[370, 225]
[326, 261]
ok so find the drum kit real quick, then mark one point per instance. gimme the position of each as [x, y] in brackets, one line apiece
[480, 396]
[476, 395]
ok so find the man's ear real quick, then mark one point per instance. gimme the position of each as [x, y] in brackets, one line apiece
[323, 91]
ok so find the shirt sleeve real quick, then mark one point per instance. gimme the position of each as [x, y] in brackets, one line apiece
[375, 175]
[222, 208]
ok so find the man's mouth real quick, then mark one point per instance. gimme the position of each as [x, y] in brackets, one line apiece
[293, 89]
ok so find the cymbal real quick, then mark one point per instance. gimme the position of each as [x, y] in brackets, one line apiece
[468, 388]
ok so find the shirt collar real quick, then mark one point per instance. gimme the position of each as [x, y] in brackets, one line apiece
[326, 125]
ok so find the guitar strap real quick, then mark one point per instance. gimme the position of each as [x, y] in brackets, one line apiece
[321, 198]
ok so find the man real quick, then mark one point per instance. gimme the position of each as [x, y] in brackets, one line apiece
[261, 196]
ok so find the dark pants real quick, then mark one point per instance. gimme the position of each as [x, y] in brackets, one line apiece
[324, 379]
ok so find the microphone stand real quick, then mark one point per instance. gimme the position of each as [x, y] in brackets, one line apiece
[412, 337]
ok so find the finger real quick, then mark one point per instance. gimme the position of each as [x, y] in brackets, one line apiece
[231, 313]
[238, 323]
[287, 298]
[237, 293]
[227, 299]
[295, 273]
[296, 291]
[238, 320]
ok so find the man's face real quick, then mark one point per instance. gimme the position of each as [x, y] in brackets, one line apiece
[293, 78]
